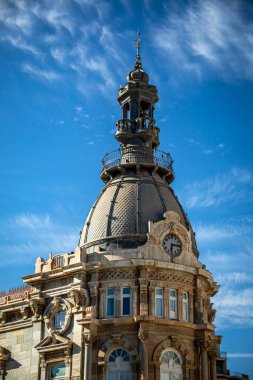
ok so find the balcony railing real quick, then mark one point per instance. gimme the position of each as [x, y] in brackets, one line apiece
[238, 374]
[142, 123]
[223, 355]
[161, 159]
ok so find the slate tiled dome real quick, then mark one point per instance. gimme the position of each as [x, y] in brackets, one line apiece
[124, 208]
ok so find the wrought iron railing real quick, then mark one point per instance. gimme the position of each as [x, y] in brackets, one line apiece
[111, 159]
[223, 355]
[238, 374]
[161, 159]
[142, 123]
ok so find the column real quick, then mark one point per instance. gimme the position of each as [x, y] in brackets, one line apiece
[3, 359]
[143, 335]
[204, 362]
[135, 311]
[212, 355]
[88, 340]
[180, 305]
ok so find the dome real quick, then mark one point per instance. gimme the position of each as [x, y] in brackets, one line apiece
[125, 206]
[138, 74]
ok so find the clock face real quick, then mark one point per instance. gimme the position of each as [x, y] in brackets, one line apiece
[172, 245]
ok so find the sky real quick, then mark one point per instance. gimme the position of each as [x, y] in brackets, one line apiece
[62, 63]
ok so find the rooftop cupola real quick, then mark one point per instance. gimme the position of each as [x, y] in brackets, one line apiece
[136, 130]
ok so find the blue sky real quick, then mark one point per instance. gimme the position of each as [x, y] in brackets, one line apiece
[62, 63]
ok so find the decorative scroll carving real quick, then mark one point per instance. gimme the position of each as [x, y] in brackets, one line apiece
[36, 305]
[173, 341]
[25, 311]
[89, 338]
[171, 225]
[52, 309]
[142, 334]
[80, 298]
[3, 317]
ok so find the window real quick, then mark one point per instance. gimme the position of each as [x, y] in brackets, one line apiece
[119, 365]
[171, 366]
[57, 371]
[185, 306]
[126, 301]
[159, 302]
[173, 304]
[110, 301]
[59, 319]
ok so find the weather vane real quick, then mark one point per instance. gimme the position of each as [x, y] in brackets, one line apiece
[138, 45]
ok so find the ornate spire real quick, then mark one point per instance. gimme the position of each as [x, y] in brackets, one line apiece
[138, 50]
[136, 130]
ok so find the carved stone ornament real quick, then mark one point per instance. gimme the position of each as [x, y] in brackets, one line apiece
[171, 225]
[89, 338]
[80, 298]
[57, 305]
[36, 305]
[25, 312]
[3, 317]
[142, 334]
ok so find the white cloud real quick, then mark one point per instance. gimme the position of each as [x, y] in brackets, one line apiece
[33, 221]
[232, 187]
[220, 231]
[47, 75]
[207, 36]
[240, 355]
[27, 236]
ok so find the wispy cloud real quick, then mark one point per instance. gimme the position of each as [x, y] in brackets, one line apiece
[35, 235]
[231, 187]
[214, 36]
[73, 40]
[240, 355]
[204, 149]
[47, 75]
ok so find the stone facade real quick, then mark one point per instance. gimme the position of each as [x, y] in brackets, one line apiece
[133, 301]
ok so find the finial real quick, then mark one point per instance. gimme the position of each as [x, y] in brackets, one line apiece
[138, 46]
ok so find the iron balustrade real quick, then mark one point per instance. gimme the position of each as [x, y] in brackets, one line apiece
[238, 374]
[142, 123]
[161, 159]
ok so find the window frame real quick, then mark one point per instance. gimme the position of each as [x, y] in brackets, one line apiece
[123, 296]
[159, 297]
[185, 307]
[50, 369]
[108, 297]
[175, 299]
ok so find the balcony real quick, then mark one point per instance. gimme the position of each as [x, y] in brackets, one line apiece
[238, 375]
[142, 123]
[161, 159]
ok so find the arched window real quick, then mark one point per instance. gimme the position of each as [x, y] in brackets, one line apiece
[171, 366]
[119, 366]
